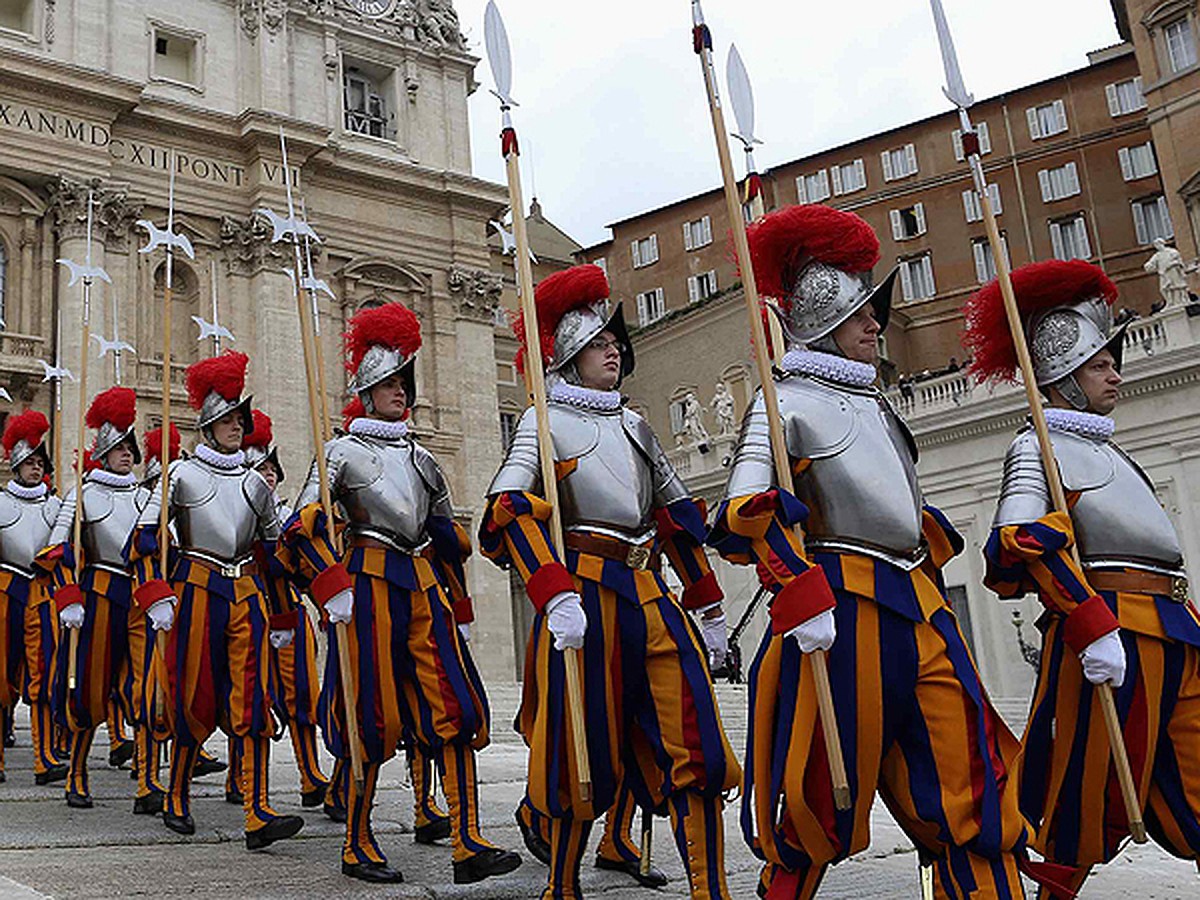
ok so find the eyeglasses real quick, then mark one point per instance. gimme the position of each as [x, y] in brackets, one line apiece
[604, 346]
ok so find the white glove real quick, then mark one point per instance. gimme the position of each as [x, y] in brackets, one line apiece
[567, 620]
[341, 607]
[817, 633]
[464, 628]
[1104, 660]
[162, 615]
[71, 616]
[281, 637]
[716, 638]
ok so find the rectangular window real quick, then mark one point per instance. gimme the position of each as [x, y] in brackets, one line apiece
[677, 409]
[702, 286]
[17, 15]
[899, 163]
[365, 95]
[644, 252]
[849, 177]
[1137, 161]
[1046, 120]
[1152, 220]
[508, 428]
[175, 57]
[1058, 183]
[985, 141]
[1180, 44]
[697, 233]
[1125, 97]
[916, 277]
[813, 188]
[651, 306]
[908, 222]
[985, 262]
[974, 209]
[1069, 238]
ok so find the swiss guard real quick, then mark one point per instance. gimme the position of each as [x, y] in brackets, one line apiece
[98, 605]
[867, 587]
[392, 588]
[28, 625]
[651, 716]
[225, 526]
[1124, 617]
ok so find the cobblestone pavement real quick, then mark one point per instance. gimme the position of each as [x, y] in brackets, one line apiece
[47, 849]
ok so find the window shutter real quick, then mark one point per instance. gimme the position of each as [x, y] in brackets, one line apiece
[660, 305]
[824, 183]
[693, 284]
[1035, 129]
[1085, 247]
[801, 191]
[1165, 212]
[712, 281]
[1124, 157]
[1139, 223]
[927, 266]
[1044, 181]
[836, 171]
[982, 274]
[1056, 241]
[985, 138]
[897, 225]
[1114, 102]
[1137, 86]
[886, 158]
[641, 309]
[653, 248]
[860, 174]
[1060, 114]
[687, 236]
[919, 212]
[1072, 179]
[906, 286]
[910, 159]
[969, 206]
[706, 227]
[635, 251]
[994, 196]
[956, 140]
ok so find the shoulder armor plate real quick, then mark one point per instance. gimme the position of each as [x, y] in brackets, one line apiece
[357, 462]
[97, 502]
[575, 432]
[1085, 464]
[194, 484]
[9, 510]
[819, 421]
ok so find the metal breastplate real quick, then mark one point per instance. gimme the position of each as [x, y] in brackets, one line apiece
[213, 510]
[382, 489]
[109, 516]
[25, 527]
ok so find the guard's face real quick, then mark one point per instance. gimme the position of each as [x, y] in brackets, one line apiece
[858, 336]
[598, 364]
[1101, 382]
[119, 459]
[30, 472]
[267, 470]
[390, 399]
[227, 432]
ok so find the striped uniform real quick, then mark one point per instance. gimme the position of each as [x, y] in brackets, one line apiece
[616, 844]
[651, 715]
[39, 634]
[297, 694]
[14, 594]
[1068, 788]
[913, 718]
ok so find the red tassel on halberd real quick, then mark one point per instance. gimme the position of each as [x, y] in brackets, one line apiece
[508, 142]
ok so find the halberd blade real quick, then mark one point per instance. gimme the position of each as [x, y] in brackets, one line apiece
[955, 90]
[499, 54]
[741, 95]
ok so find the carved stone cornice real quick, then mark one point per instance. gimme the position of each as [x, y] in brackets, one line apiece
[113, 213]
[476, 293]
[247, 244]
[433, 23]
[250, 17]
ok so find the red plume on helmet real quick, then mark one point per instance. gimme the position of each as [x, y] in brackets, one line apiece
[556, 296]
[30, 426]
[153, 443]
[117, 406]
[785, 241]
[262, 434]
[225, 374]
[1038, 287]
[90, 464]
[392, 325]
[353, 410]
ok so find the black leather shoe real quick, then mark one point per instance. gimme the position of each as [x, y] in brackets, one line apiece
[79, 801]
[54, 773]
[276, 830]
[150, 805]
[120, 754]
[375, 873]
[314, 798]
[633, 868]
[437, 830]
[336, 812]
[179, 824]
[206, 765]
[538, 848]
[485, 864]
[235, 798]
[3, 777]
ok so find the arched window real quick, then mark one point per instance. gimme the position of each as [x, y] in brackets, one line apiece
[185, 302]
[3, 273]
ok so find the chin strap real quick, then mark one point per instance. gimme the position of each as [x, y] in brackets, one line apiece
[1072, 392]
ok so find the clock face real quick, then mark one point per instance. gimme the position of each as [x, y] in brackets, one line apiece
[373, 9]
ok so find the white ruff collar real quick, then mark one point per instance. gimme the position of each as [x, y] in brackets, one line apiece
[112, 479]
[37, 492]
[220, 460]
[379, 428]
[1086, 424]
[832, 368]
[585, 398]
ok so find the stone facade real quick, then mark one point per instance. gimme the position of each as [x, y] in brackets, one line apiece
[108, 96]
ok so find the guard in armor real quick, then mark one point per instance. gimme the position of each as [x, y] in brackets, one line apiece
[396, 587]
[913, 718]
[30, 627]
[651, 716]
[1123, 616]
[98, 604]
[224, 531]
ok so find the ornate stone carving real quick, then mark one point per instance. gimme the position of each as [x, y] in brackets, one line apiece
[431, 22]
[247, 244]
[48, 28]
[476, 291]
[113, 213]
[274, 14]
[249, 16]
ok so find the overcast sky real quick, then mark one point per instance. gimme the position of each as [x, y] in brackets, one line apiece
[613, 120]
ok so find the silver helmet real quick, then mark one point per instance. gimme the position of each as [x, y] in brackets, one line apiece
[1064, 338]
[256, 456]
[109, 437]
[581, 325]
[380, 363]
[215, 406]
[825, 296]
[22, 450]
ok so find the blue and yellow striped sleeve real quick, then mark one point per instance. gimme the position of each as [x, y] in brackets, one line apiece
[306, 552]
[514, 532]
[681, 535]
